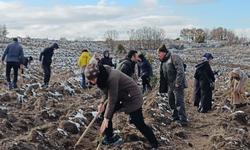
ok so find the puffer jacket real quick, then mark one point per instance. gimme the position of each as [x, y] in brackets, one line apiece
[119, 87]
[144, 68]
[106, 60]
[84, 59]
[127, 66]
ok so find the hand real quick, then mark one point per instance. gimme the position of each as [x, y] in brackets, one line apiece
[3, 63]
[105, 124]
[21, 66]
[177, 85]
[101, 109]
[40, 64]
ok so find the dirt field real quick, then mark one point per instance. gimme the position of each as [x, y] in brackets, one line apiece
[53, 118]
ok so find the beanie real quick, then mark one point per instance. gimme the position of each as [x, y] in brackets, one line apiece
[208, 56]
[92, 71]
[162, 48]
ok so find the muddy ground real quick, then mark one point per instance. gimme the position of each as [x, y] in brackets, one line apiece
[53, 118]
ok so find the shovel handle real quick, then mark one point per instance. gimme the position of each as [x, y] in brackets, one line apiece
[84, 133]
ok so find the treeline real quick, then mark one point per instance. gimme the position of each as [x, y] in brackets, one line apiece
[3, 31]
[217, 34]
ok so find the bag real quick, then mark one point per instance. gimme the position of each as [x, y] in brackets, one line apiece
[83, 69]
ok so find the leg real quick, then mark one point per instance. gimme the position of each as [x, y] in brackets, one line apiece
[138, 121]
[15, 67]
[148, 83]
[171, 100]
[46, 70]
[83, 81]
[143, 84]
[8, 69]
[180, 104]
[243, 98]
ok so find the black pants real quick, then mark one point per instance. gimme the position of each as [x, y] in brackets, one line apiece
[145, 81]
[137, 119]
[15, 66]
[47, 71]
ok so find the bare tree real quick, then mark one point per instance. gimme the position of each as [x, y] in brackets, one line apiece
[110, 36]
[3, 31]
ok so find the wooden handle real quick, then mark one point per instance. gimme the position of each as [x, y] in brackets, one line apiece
[84, 133]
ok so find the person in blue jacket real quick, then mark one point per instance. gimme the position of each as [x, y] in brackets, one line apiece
[46, 62]
[145, 72]
[14, 54]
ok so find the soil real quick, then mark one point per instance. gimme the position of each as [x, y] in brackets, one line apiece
[54, 118]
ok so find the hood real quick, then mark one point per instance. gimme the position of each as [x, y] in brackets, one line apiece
[202, 64]
[85, 55]
[236, 72]
[104, 54]
[54, 45]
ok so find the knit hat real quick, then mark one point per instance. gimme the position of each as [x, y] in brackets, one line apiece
[162, 48]
[92, 71]
[208, 56]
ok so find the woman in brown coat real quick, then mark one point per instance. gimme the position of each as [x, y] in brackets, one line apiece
[240, 78]
[120, 92]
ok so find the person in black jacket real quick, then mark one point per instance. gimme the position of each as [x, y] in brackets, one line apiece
[47, 60]
[106, 60]
[127, 64]
[144, 71]
[26, 62]
[202, 91]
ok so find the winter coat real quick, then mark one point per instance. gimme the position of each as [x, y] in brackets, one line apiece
[144, 68]
[237, 72]
[202, 85]
[47, 54]
[25, 61]
[106, 60]
[14, 53]
[172, 72]
[127, 66]
[84, 59]
[119, 87]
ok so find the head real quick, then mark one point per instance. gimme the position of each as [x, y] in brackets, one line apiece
[132, 54]
[55, 46]
[15, 39]
[98, 60]
[208, 56]
[162, 51]
[30, 59]
[106, 54]
[92, 72]
[84, 50]
[140, 57]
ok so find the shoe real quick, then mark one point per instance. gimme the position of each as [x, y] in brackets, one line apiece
[14, 85]
[45, 85]
[175, 119]
[182, 122]
[9, 86]
[237, 105]
[107, 140]
[203, 111]
[199, 108]
[156, 146]
[143, 90]
[149, 88]
[243, 104]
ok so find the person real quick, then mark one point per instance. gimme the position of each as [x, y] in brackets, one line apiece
[121, 92]
[45, 61]
[26, 62]
[106, 60]
[98, 60]
[127, 64]
[144, 71]
[237, 83]
[202, 90]
[173, 82]
[83, 61]
[14, 54]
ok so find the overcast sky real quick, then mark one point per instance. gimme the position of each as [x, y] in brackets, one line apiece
[92, 18]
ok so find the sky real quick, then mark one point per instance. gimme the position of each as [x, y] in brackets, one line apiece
[92, 18]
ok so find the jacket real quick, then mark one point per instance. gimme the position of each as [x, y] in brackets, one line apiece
[84, 59]
[172, 72]
[119, 87]
[144, 68]
[127, 66]
[14, 53]
[47, 54]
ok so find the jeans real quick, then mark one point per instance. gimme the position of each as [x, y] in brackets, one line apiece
[47, 71]
[83, 81]
[15, 66]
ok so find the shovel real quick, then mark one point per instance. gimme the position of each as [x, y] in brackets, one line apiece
[84, 133]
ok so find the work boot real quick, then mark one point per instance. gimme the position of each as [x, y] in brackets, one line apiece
[107, 140]
[14, 85]
[9, 85]
[143, 90]
[45, 85]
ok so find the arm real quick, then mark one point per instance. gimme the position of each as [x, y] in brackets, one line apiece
[138, 69]
[178, 64]
[5, 52]
[150, 69]
[21, 56]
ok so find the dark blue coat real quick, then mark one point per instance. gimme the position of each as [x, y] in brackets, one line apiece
[144, 68]
[14, 53]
